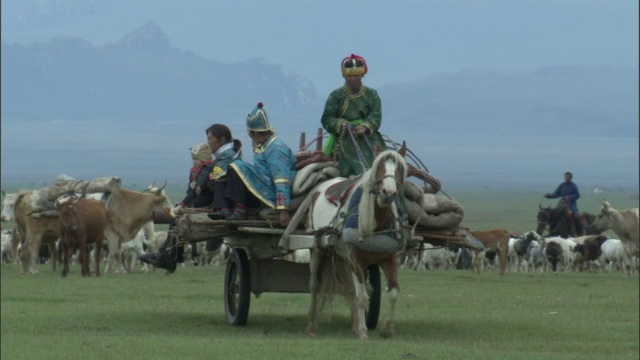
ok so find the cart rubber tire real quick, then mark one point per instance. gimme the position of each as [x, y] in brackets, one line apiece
[373, 311]
[237, 288]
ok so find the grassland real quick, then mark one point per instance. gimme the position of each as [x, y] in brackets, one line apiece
[441, 314]
[447, 314]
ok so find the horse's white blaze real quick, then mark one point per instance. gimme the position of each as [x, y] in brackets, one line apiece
[389, 187]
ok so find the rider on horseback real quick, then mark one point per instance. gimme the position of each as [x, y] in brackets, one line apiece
[568, 193]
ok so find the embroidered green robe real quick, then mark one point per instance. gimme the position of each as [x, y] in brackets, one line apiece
[363, 109]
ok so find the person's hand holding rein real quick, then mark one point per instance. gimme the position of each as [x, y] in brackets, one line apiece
[360, 130]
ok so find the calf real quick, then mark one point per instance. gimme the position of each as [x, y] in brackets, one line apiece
[82, 222]
[493, 240]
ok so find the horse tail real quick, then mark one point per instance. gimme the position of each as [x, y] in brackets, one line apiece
[334, 277]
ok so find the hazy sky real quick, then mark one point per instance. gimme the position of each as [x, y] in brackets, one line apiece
[400, 39]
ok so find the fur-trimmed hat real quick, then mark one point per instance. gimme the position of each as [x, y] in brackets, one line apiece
[201, 152]
[258, 119]
[354, 65]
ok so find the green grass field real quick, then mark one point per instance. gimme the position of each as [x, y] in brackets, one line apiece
[449, 314]
[440, 315]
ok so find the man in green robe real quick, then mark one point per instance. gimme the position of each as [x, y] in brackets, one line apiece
[358, 107]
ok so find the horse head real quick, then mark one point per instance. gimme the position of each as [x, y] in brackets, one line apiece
[389, 171]
[543, 218]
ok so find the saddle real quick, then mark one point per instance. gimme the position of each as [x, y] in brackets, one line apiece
[338, 192]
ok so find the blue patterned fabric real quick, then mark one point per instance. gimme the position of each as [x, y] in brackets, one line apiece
[271, 176]
[258, 120]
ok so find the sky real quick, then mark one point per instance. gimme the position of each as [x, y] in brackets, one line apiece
[401, 40]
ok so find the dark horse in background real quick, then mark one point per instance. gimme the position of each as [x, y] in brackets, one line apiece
[561, 222]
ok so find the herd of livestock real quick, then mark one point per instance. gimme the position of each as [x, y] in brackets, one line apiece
[123, 226]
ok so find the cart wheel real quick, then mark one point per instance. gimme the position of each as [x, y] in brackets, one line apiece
[373, 312]
[237, 288]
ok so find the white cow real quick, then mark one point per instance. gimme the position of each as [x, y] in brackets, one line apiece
[625, 223]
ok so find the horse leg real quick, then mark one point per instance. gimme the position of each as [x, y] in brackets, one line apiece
[391, 274]
[312, 317]
[359, 305]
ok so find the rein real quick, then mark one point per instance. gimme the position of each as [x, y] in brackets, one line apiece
[363, 161]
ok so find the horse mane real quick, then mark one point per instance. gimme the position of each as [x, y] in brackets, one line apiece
[366, 208]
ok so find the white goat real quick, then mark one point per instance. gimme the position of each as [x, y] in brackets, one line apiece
[436, 257]
[135, 247]
[613, 254]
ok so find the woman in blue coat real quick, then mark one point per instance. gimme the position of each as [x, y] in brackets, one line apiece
[225, 149]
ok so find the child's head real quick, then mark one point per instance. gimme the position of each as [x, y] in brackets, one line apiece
[200, 153]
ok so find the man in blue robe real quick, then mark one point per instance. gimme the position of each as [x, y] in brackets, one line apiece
[568, 192]
[266, 182]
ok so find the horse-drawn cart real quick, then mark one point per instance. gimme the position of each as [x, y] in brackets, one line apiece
[257, 264]
[260, 246]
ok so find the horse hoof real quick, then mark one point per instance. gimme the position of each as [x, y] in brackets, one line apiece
[311, 331]
[386, 330]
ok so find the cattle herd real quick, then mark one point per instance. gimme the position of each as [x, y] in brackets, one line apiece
[120, 225]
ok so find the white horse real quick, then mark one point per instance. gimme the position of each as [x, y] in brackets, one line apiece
[371, 227]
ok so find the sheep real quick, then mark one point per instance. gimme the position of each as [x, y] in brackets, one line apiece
[564, 254]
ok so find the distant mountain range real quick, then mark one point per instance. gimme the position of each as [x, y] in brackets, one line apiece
[142, 77]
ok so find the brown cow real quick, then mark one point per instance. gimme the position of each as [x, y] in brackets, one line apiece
[82, 223]
[129, 211]
[493, 240]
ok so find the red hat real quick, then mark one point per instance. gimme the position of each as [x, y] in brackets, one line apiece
[354, 65]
